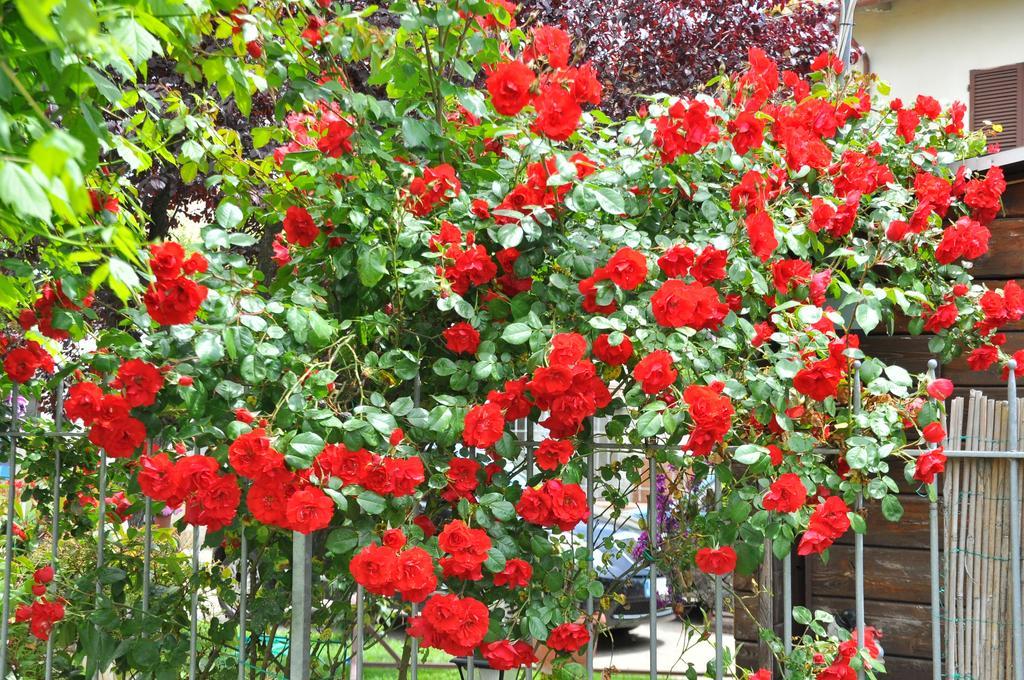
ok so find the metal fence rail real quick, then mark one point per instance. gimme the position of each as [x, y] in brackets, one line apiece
[299, 661]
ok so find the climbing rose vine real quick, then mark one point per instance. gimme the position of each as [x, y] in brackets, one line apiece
[454, 260]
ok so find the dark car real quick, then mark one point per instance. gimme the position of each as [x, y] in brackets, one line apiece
[619, 573]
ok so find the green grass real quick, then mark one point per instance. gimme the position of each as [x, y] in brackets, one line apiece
[378, 654]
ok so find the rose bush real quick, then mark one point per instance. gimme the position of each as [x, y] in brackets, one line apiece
[475, 245]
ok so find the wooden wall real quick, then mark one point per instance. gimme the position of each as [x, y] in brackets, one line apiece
[896, 557]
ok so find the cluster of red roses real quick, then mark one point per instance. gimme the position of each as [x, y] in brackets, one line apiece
[211, 497]
[786, 494]
[42, 614]
[173, 298]
[464, 263]
[108, 416]
[556, 94]
[828, 522]
[388, 569]
[435, 187]
[554, 503]
[22, 362]
[819, 379]
[466, 549]
[568, 389]
[384, 475]
[456, 625]
[41, 313]
[326, 129]
[711, 412]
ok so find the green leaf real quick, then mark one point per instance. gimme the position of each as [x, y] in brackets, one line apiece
[503, 511]
[868, 315]
[748, 454]
[229, 215]
[892, 509]
[303, 448]
[23, 193]
[649, 423]
[610, 200]
[802, 615]
[341, 541]
[138, 43]
[371, 265]
[516, 333]
[36, 15]
[209, 348]
[371, 502]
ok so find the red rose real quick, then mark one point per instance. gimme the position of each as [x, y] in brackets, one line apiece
[627, 268]
[929, 464]
[710, 409]
[462, 479]
[940, 389]
[501, 655]
[786, 494]
[336, 460]
[484, 426]
[21, 364]
[933, 433]
[83, 402]
[568, 504]
[716, 561]
[747, 132]
[558, 114]
[982, 358]
[166, 260]
[509, 86]
[567, 349]
[516, 574]
[676, 261]
[552, 43]
[140, 381]
[43, 575]
[819, 380]
[837, 671]
[309, 509]
[118, 437]
[173, 302]
[676, 304]
[655, 372]
[252, 456]
[613, 355]
[196, 263]
[461, 338]
[425, 525]
[374, 568]
[830, 518]
[451, 623]
[551, 453]
[405, 475]
[299, 226]
[568, 637]
[267, 501]
[215, 504]
[467, 549]
[160, 480]
[414, 576]
[761, 232]
[534, 507]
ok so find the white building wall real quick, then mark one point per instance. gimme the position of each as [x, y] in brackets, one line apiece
[930, 46]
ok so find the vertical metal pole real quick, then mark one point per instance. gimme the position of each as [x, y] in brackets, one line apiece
[414, 660]
[58, 422]
[101, 529]
[529, 473]
[302, 604]
[787, 602]
[101, 534]
[193, 624]
[591, 643]
[858, 539]
[147, 554]
[719, 603]
[845, 37]
[1015, 578]
[243, 601]
[12, 469]
[357, 653]
[470, 667]
[652, 569]
[933, 554]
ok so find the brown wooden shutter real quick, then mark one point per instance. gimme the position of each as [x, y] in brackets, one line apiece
[997, 95]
